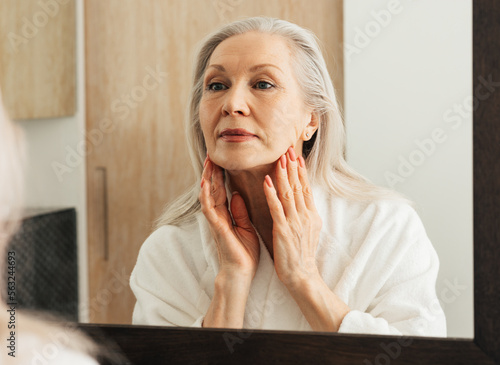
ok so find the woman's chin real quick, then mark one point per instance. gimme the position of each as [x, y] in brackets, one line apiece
[236, 166]
[242, 160]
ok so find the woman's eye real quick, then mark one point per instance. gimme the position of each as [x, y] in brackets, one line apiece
[264, 85]
[215, 86]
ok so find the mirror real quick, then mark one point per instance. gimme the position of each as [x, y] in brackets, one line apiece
[425, 77]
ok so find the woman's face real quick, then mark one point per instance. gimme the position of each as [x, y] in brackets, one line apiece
[252, 109]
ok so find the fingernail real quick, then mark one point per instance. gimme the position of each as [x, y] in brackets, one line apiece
[283, 161]
[302, 162]
[235, 193]
[269, 182]
[291, 151]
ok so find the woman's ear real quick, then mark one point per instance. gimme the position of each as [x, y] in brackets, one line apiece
[311, 127]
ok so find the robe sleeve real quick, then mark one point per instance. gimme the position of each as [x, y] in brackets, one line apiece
[406, 303]
[166, 280]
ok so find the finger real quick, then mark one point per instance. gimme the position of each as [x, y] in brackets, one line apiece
[207, 201]
[239, 212]
[284, 191]
[207, 170]
[274, 204]
[294, 180]
[306, 187]
[218, 187]
[216, 197]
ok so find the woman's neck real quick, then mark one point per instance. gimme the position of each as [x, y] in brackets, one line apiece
[249, 184]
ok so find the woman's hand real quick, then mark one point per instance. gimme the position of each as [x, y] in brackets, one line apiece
[237, 245]
[296, 222]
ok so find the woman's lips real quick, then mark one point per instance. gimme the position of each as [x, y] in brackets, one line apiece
[236, 135]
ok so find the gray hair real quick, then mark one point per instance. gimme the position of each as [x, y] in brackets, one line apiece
[323, 153]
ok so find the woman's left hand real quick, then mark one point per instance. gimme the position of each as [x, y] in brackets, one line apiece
[296, 222]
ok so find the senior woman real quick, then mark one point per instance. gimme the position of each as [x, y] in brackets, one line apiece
[279, 232]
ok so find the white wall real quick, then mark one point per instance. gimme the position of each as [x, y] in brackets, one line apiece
[410, 80]
[49, 141]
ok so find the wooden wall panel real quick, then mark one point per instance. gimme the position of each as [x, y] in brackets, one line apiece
[37, 58]
[138, 74]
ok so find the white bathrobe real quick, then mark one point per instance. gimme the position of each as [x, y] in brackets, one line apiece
[375, 256]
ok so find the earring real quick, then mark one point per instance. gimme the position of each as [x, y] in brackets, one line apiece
[307, 134]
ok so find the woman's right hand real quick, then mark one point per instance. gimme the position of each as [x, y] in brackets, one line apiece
[237, 245]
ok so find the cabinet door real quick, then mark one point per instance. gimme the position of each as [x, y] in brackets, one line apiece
[37, 58]
[138, 74]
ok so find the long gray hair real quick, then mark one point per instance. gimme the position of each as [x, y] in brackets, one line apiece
[323, 153]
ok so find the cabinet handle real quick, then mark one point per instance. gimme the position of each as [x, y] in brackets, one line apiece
[102, 183]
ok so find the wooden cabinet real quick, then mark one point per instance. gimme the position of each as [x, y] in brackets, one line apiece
[138, 75]
[37, 58]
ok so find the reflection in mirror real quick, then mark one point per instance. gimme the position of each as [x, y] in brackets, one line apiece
[400, 80]
[279, 213]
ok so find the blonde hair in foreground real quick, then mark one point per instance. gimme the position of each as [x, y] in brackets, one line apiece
[11, 177]
[12, 156]
[323, 153]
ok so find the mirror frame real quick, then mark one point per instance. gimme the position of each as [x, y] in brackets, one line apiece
[151, 345]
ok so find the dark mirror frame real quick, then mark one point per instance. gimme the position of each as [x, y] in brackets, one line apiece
[153, 345]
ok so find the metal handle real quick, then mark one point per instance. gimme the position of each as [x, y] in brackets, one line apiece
[102, 195]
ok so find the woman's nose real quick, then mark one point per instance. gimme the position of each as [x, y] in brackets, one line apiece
[235, 102]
